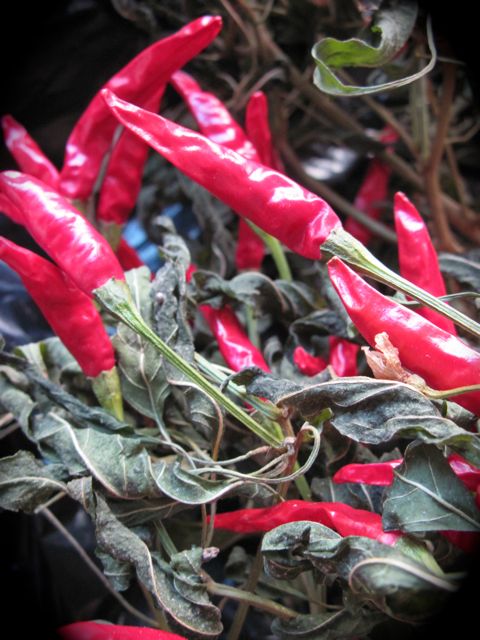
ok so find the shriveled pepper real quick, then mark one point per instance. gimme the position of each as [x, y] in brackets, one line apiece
[234, 345]
[417, 257]
[62, 232]
[343, 518]
[69, 312]
[217, 124]
[26, 152]
[443, 360]
[272, 201]
[138, 81]
[373, 191]
[91, 630]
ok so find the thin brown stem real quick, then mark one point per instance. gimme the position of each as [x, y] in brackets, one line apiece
[447, 241]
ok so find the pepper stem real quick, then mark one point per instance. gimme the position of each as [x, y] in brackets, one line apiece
[115, 297]
[343, 245]
[276, 251]
[106, 387]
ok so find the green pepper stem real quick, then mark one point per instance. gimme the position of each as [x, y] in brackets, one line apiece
[115, 297]
[343, 245]
[276, 251]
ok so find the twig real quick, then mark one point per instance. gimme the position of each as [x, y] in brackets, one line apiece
[447, 242]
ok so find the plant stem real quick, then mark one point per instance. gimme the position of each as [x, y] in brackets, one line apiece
[276, 251]
[345, 246]
[116, 298]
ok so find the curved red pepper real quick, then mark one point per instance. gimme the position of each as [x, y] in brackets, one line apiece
[70, 312]
[62, 232]
[373, 191]
[138, 81]
[272, 201]
[343, 356]
[343, 518]
[307, 364]
[417, 257]
[123, 175]
[444, 361]
[217, 124]
[91, 630]
[26, 152]
[258, 131]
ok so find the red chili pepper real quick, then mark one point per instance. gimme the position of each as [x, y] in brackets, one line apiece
[101, 631]
[343, 356]
[442, 359]
[127, 256]
[308, 365]
[234, 344]
[258, 131]
[123, 175]
[217, 124]
[417, 257]
[26, 152]
[372, 193]
[62, 232]
[343, 518]
[138, 81]
[70, 312]
[272, 201]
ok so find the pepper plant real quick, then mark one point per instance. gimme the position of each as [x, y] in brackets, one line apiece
[276, 432]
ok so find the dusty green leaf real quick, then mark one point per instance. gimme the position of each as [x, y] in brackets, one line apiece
[16, 402]
[426, 495]
[465, 268]
[144, 385]
[377, 46]
[365, 567]
[26, 483]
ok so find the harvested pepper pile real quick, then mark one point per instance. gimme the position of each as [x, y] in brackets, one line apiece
[274, 433]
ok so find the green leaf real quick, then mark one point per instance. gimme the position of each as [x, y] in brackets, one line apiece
[16, 401]
[144, 385]
[391, 28]
[371, 571]
[168, 585]
[465, 268]
[426, 495]
[26, 483]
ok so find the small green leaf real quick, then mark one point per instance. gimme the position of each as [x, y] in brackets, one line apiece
[26, 483]
[426, 495]
[391, 28]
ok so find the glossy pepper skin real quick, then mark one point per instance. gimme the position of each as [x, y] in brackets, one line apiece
[340, 517]
[342, 358]
[138, 81]
[417, 257]
[217, 124]
[443, 360]
[257, 127]
[272, 201]
[307, 363]
[372, 192]
[381, 473]
[234, 345]
[91, 630]
[26, 152]
[62, 232]
[70, 312]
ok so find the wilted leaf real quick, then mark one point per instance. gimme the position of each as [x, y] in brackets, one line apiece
[426, 495]
[26, 483]
[465, 268]
[16, 402]
[391, 28]
[366, 567]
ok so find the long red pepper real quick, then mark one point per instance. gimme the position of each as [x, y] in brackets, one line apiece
[123, 175]
[442, 359]
[91, 630]
[26, 152]
[343, 518]
[138, 81]
[272, 201]
[70, 312]
[381, 473]
[234, 345]
[217, 124]
[417, 257]
[62, 232]
[257, 127]
[373, 192]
